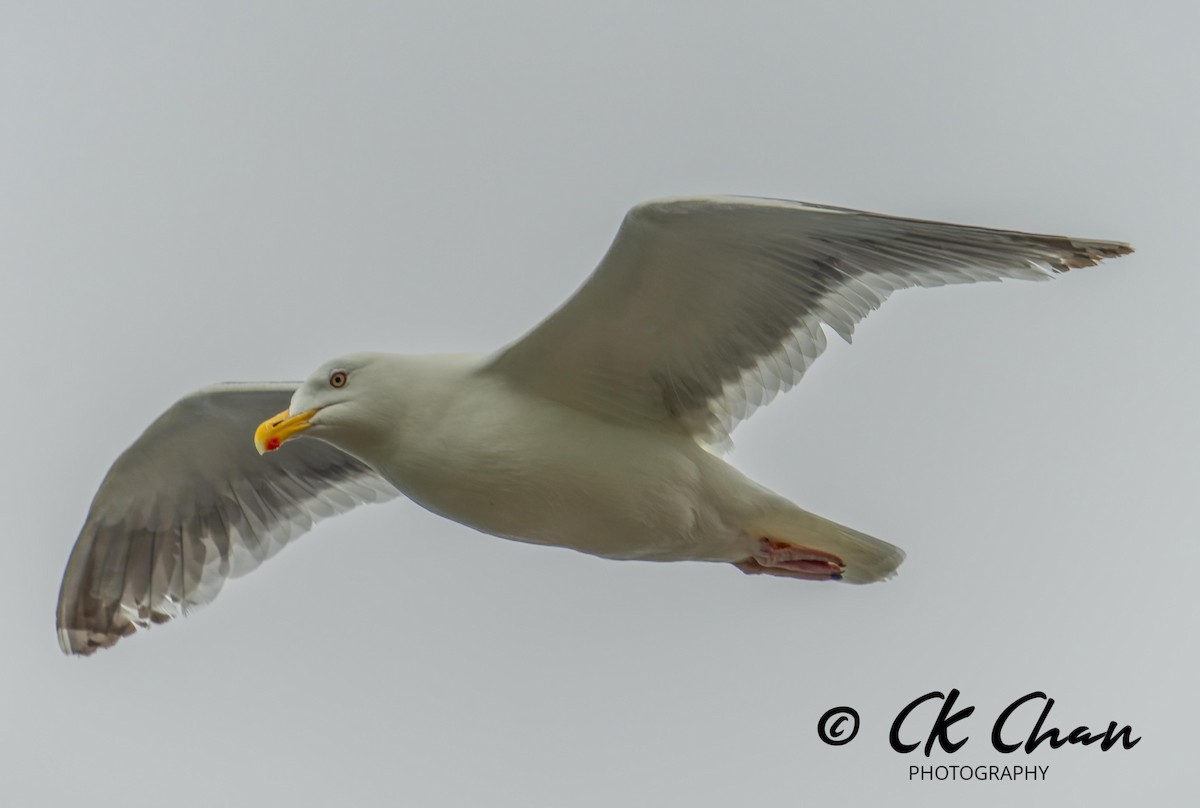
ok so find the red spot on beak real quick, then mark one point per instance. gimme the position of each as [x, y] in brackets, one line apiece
[272, 444]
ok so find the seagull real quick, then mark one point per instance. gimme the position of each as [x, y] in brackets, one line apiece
[600, 430]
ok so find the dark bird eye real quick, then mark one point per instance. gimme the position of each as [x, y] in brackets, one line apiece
[337, 378]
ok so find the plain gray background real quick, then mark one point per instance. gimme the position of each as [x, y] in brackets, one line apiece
[196, 192]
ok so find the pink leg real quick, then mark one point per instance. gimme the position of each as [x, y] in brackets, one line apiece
[792, 561]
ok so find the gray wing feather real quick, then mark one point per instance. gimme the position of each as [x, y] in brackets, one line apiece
[705, 308]
[190, 504]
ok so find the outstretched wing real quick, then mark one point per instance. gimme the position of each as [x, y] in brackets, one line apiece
[190, 504]
[705, 308]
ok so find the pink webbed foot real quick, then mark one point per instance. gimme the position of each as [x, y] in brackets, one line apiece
[792, 561]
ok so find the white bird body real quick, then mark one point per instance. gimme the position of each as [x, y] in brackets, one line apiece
[473, 448]
[599, 430]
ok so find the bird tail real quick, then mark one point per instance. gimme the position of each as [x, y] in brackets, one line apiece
[866, 558]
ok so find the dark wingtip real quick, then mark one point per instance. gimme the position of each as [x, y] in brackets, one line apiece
[81, 642]
[1089, 253]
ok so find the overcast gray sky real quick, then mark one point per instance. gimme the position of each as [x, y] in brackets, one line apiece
[197, 192]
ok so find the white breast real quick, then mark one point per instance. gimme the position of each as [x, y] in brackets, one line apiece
[518, 466]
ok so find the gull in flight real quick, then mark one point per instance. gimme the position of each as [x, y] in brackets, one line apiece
[599, 430]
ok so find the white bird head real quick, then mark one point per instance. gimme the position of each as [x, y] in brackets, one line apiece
[339, 403]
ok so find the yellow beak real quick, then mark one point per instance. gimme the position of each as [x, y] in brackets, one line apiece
[272, 432]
